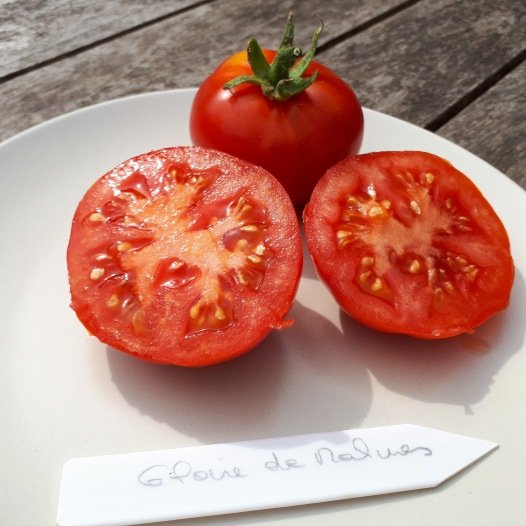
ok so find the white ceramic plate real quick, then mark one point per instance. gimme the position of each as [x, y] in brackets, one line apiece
[66, 395]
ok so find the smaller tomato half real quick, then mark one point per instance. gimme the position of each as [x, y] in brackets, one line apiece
[184, 256]
[407, 244]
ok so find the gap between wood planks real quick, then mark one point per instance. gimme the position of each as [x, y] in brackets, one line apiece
[466, 99]
[434, 125]
[330, 43]
[91, 45]
[365, 25]
[481, 88]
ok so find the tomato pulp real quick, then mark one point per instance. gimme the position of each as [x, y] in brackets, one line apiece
[407, 244]
[185, 256]
[296, 140]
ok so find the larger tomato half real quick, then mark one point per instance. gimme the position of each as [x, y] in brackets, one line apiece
[408, 244]
[185, 256]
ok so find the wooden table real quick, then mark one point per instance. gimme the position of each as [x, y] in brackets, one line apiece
[453, 67]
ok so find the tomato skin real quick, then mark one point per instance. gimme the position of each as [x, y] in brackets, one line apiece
[296, 140]
[184, 256]
[408, 244]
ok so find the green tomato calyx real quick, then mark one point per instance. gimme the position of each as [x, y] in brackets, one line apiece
[281, 79]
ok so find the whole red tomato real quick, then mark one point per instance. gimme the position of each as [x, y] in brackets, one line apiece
[292, 116]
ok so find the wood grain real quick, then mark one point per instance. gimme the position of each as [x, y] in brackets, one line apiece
[421, 61]
[177, 52]
[32, 32]
[416, 59]
[494, 128]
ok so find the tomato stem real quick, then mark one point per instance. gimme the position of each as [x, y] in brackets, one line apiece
[283, 78]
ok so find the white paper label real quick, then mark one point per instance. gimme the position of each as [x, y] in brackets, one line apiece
[215, 479]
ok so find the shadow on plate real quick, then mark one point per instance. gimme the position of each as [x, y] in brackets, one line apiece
[457, 370]
[315, 376]
[301, 380]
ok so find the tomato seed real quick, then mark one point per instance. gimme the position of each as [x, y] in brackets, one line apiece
[471, 271]
[239, 208]
[377, 285]
[97, 217]
[448, 286]
[194, 311]
[241, 245]
[414, 267]
[375, 211]
[102, 257]
[367, 261]
[96, 273]
[112, 301]
[219, 313]
[364, 276]
[249, 228]
[123, 246]
[210, 316]
[138, 322]
[260, 249]
[429, 177]
[415, 207]
[342, 234]
[130, 220]
[241, 278]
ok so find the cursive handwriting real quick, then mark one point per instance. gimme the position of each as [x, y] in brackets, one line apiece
[282, 465]
[359, 450]
[183, 471]
[402, 451]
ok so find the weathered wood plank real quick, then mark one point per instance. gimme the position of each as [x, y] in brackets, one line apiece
[421, 61]
[177, 52]
[384, 63]
[494, 128]
[32, 31]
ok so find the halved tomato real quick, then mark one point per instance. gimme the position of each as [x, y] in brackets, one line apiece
[408, 244]
[185, 256]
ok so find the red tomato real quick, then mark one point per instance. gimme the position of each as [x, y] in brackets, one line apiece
[408, 244]
[296, 140]
[184, 256]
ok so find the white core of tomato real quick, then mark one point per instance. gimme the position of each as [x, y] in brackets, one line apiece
[392, 235]
[380, 225]
[174, 236]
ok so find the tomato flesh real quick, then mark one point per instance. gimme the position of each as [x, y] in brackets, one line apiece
[185, 256]
[408, 244]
